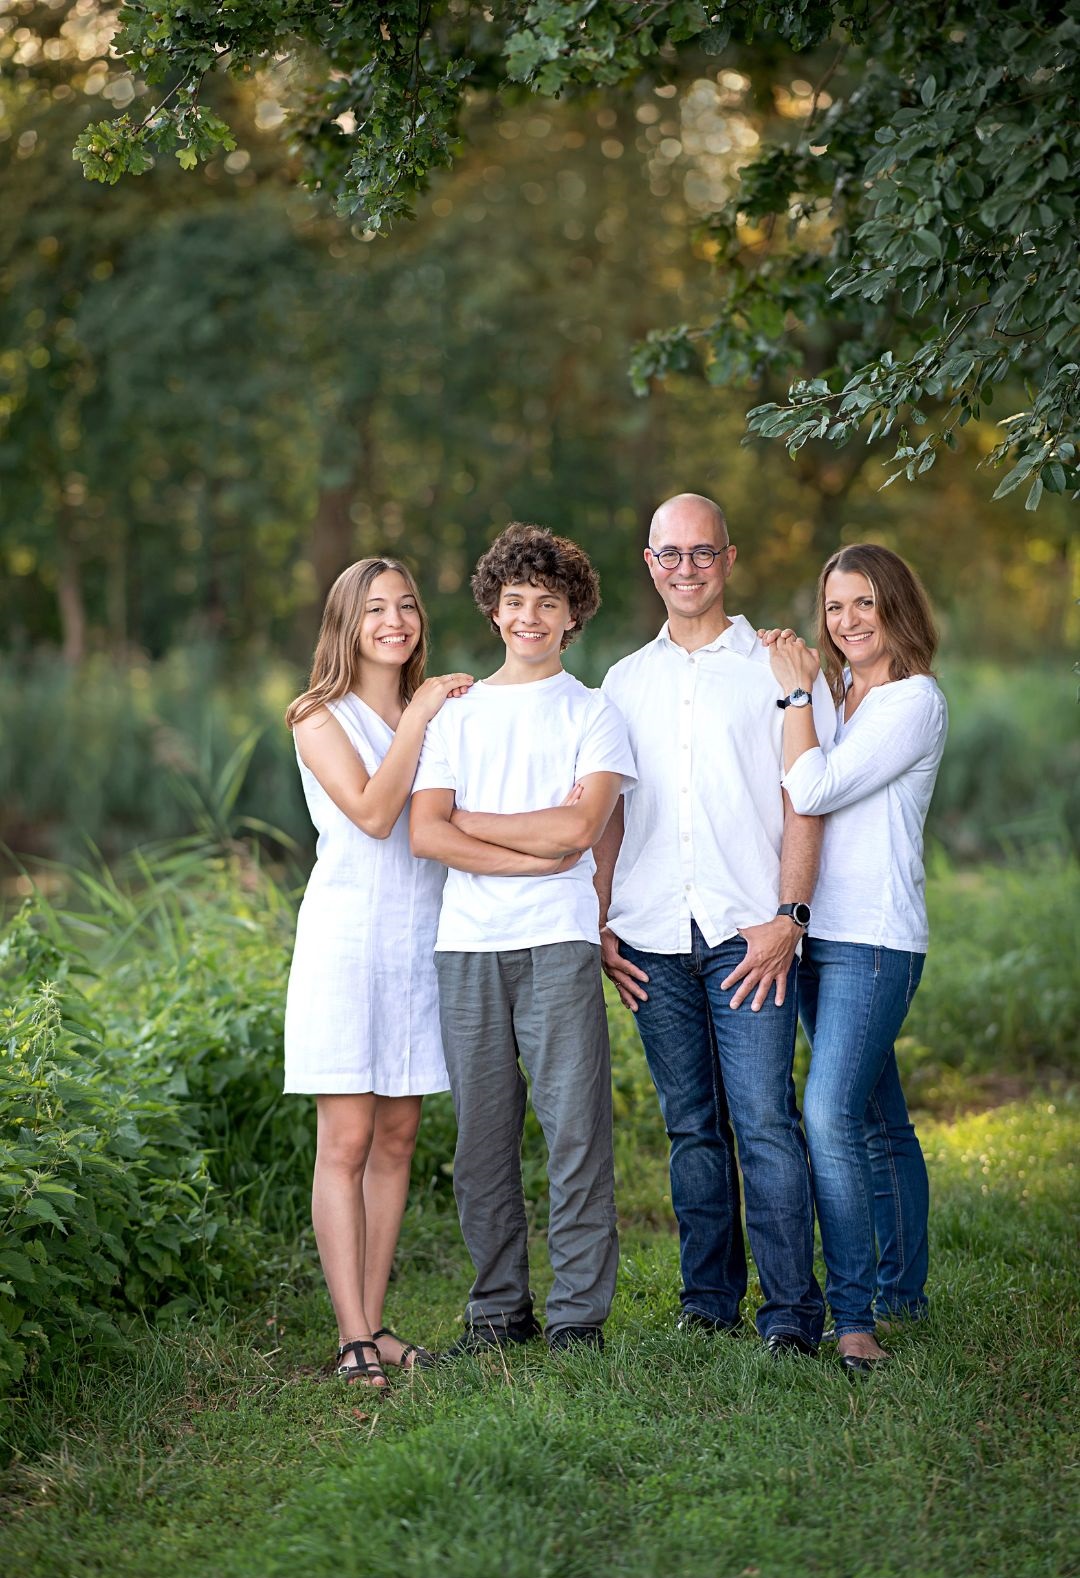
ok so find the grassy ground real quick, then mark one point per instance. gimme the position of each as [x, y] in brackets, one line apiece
[219, 1453]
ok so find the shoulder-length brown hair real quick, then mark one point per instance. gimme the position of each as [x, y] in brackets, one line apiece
[903, 612]
[335, 668]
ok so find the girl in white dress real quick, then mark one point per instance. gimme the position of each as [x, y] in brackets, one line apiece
[362, 1015]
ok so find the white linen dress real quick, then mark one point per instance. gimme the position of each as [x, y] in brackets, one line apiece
[362, 1012]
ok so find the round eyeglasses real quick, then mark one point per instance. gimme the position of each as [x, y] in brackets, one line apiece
[671, 558]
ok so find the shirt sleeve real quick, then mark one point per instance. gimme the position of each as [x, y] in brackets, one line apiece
[824, 710]
[433, 771]
[900, 731]
[605, 745]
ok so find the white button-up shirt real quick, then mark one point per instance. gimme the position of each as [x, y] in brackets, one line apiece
[705, 820]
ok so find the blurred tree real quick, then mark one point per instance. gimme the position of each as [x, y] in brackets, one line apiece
[928, 194]
[250, 394]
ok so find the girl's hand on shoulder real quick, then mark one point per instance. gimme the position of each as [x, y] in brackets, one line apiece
[430, 696]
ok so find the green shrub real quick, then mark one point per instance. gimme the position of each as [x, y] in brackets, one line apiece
[1010, 777]
[193, 739]
[106, 1204]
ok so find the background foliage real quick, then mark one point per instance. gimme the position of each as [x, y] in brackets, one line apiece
[927, 191]
[213, 393]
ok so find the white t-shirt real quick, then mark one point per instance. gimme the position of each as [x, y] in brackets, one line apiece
[705, 821]
[875, 784]
[510, 748]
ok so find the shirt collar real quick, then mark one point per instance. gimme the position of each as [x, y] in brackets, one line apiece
[740, 636]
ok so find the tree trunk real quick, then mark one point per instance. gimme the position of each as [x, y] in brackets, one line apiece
[69, 596]
[332, 535]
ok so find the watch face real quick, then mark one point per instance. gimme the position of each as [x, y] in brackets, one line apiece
[800, 698]
[801, 914]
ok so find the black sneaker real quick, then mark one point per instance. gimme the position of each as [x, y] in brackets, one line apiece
[482, 1336]
[564, 1337]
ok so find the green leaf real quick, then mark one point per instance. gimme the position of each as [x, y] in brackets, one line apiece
[1032, 500]
[928, 90]
[187, 158]
[44, 1210]
[927, 243]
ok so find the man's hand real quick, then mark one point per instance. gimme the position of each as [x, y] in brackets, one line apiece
[623, 975]
[769, 951]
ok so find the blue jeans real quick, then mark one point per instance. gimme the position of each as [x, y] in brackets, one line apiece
[716, 1069]
[869, 1174]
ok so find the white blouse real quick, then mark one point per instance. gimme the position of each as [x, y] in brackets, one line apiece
[874, 789]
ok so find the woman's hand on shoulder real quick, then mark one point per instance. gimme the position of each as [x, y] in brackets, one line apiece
[795, 665]
[429, 696]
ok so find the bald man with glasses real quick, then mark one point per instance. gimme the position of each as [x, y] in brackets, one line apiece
[705, 876]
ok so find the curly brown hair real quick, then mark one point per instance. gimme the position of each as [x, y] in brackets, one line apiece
[532, 555]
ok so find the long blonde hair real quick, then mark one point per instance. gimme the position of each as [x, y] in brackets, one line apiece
[335, 668]
[902, 607]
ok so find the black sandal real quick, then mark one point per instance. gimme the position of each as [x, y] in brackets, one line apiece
[422, 1359]
[368, 1369]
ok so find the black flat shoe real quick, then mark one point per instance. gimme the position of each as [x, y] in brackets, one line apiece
[782, 1343]
[863, 1363]
[693, 1320]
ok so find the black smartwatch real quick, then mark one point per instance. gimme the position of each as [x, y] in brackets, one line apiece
[798, 698]
[799, 913]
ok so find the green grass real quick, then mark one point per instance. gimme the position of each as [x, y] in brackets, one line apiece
[217, 1452]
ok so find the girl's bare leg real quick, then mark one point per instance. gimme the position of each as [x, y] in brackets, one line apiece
[386, 1188]
[345, 1129]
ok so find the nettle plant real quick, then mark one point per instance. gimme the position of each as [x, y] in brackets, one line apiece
[917, 216]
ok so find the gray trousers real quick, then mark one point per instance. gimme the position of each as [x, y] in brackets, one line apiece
[545, 1007]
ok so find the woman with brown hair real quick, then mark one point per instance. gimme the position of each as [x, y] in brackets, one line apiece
[863, 954]
[362, 1016]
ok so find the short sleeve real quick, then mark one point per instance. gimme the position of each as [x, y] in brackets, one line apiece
[605, 744]
[433, 769]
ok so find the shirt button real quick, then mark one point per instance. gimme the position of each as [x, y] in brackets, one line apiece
[686, 838]
[686, 885]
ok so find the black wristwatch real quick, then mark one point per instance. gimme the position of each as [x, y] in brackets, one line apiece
[798, 698]
[799, 913]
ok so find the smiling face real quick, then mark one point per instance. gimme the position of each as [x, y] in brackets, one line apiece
[690, 591]
[390, 625]
[853, 622]
[532, 622]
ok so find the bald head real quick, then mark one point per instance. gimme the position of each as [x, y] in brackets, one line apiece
[689, 510]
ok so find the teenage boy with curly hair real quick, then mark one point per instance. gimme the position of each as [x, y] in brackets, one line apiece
[516, 783]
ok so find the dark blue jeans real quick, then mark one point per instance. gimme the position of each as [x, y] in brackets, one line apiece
[869, 1173]
[718, 1069]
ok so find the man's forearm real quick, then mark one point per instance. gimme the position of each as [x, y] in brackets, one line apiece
[606, 853]
[800, 855]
